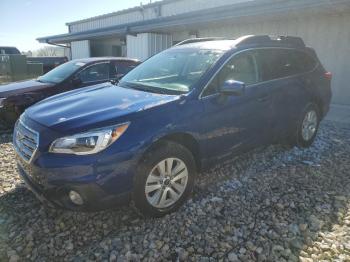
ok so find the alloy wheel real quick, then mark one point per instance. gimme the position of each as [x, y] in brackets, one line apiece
[166, 183]
[309, 125]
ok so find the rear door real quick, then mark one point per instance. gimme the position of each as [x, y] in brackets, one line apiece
[283, 70]
[233, 123]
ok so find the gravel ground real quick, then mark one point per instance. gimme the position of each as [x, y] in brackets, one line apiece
[272, 204]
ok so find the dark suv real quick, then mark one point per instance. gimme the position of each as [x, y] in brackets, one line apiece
[9, 50]
[16, 97]
[179, 112]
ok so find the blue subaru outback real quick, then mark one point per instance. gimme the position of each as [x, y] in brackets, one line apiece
[179, 112]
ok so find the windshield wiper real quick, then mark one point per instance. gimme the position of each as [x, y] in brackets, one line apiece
[142, 87]
[46, 82]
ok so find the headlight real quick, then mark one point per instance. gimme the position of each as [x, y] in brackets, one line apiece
[2, 102]
[90, 142]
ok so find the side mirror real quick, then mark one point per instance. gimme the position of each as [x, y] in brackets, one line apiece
[114, 81]
[233, 87]
[76, 81]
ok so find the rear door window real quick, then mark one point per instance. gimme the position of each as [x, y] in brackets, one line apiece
[274, 64]
[278, 63]
[305, 62]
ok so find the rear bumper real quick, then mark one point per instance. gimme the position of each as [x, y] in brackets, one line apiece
[325, 110]
[326, 98]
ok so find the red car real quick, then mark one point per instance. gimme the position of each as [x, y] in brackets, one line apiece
[16, 97]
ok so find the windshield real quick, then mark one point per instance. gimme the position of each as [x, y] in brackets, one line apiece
[61, 72]
[174, 70]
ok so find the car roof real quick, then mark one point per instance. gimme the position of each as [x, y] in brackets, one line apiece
[8, 47]
[223, 45]
[97, 59]
[251, 41]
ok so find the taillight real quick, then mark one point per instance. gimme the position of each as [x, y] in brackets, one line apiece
[328, 75]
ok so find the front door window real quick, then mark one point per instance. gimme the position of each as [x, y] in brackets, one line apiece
[97, 72]
[241, 67]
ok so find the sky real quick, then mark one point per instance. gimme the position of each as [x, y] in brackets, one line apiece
[22, 21]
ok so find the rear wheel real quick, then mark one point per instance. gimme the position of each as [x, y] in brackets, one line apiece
[164, 179]
[307, 126]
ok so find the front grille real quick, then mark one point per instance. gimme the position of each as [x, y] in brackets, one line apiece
[25, 141]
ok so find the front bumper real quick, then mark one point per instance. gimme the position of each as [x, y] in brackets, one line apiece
[94, 197]
[94, 192]
[99, 190]
[103, 180]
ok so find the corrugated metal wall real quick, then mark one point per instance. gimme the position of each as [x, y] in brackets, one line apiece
[329, 35]
[145, 45]
[145, 13]
[181, 7]
[107, 21]
[137, 46]
[80, 49]
[158, 43]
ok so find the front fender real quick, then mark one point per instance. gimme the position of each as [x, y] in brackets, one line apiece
[24, 100]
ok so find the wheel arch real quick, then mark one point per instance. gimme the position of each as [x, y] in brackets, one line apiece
[185, 139]
[319, 104]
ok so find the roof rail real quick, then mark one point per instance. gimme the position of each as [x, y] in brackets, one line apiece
[197, 40]
[265, 39]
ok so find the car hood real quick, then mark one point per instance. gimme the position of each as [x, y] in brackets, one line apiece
[88, 107]
[21, 87]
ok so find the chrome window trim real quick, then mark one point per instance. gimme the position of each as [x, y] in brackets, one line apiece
[262, 82]
[105, 62]
[15, 142]
[2, 100]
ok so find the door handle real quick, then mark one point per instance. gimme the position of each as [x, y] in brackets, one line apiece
[263, 98]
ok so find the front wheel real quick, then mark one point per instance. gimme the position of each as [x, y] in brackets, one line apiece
[307, 126]
[8, 118]
[164, 179]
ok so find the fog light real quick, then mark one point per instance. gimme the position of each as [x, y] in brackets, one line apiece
[76, 198]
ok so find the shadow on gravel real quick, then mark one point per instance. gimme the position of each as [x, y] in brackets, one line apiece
[268, 205]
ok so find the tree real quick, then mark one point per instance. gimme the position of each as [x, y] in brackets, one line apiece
[27, 53]
[49, 51]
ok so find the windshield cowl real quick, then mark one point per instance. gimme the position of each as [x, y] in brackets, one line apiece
[149, 88]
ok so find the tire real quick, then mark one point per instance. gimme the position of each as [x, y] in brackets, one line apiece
[159, 193]
[306, 131]
[6, 125]
[8, 118]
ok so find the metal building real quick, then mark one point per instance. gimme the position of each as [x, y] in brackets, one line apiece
[147, 29]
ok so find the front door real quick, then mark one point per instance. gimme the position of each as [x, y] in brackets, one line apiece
[234, 123]
[94, 74]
